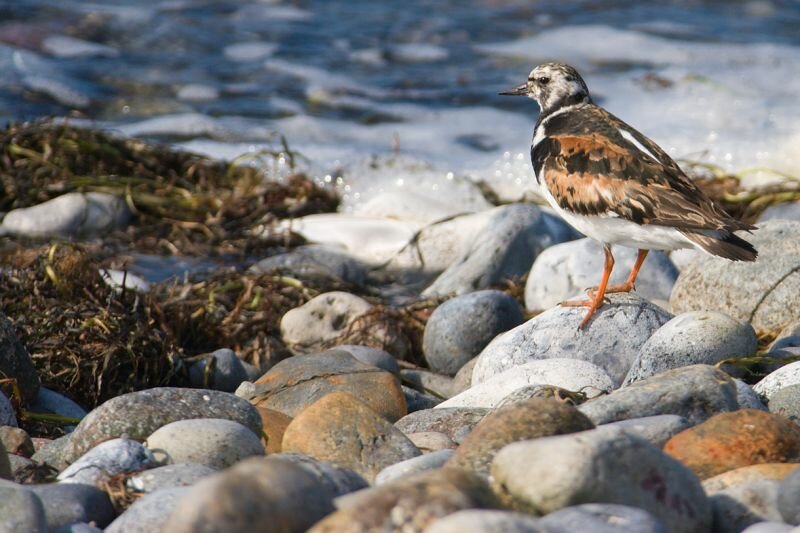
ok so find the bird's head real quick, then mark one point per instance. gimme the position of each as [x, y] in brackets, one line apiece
[553, 85]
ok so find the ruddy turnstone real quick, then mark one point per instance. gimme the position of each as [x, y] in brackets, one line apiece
[615, 185]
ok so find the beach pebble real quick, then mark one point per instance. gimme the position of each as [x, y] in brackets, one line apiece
[7, 415]
[315, 260]
[139, 414]
[604, 465]
[338, 316]
[748, 474]
[691, 338]
[168, 477]
[49, 401]
[402, 204]
[789, 337]
[485, 521]
[786, 402]
[275, 423]
[297, 382]
[21, 510]
[337, 480]
[411, 503]
[422, 463]
[463, 378]
[656, 429]
[454, 422]
[428, 382]
[148, 513]
[122, 279]
[785, 376]
[56, 453]
[16, 465]
[66, 504]
[70, 215]
[273, 492]
[228, 374]
[431, 441]
[695, 392]
[534, 418]
[15, 362]
[107, 459]
[755, 292]
[740, 506]
[503, 249]
[342, 430]
[789, 498]
[611, 340]
[564, 270]
[733, 440]
[747, 397]
[461, 327]
[214, 442]
[419, 401]
[372, 356]
[541, 391]
[570, 374]
[602, 518]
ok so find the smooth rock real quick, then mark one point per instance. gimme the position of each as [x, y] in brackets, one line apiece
[49, 401]
[16, 463]
[542, 391]
[611, 340]
[402, 204]
[747, 397]
[410, 504]
[107, 459]
[297, 382]
[485, 521]
[422, 463]
[215, 442]
[732, 440]
[124, 280]
[463, 378]
[139, 414]
[786, 402]
[655, 429]
[604, 465]
[280, 495]
[372, 356]
[566, 269]
[570, 374]
[419, 401]
[455, 422]
[69, 215]
[531, 419]
[16, 440]
[150, 512]
[7, 415]
[503, 249]
[789, 337]
[228, 372]
[755, 292]
[427, 382]
[341, 429]
[168, 477]
[602, 518]
[56, 453]
[785, 376]
[695, 392]
[21, 510]
[431, 441]
[740, 506]
[336, 480]
[748, 474]
[339, 318]
[15, 362]
[315, 261]
[275, 423]
[66, 504]
[692, 338]
[789, 498]
[461, 327]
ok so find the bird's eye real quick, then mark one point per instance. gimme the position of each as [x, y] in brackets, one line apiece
[544, 80]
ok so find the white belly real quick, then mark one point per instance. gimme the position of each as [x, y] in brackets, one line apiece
[616, 230]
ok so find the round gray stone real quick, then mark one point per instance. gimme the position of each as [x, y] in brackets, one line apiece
[602, 518]
[21, 510]
[215, 442]
[429, 461]
[611, 340]
[565, 269]
[315, 260]
[67, 503]
[783, 377]
[789, 498]
[695, 337]
[336, 480]
[228, 374]
[168, 476]
[455, 422]
[485, 521]
[655, 429]
[372, 356]
[419, 401]
[786, 402]
[747, 397]
[428, 382]
[149, 513]
[56, 453]
[107, 459]
[740, 506]
[52, 402]
[461, 327]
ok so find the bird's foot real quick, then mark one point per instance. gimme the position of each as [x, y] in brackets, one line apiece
[593, 305]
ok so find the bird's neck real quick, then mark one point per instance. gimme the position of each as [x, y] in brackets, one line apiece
[552, 108]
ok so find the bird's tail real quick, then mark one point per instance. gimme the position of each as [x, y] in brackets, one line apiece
[723, 243]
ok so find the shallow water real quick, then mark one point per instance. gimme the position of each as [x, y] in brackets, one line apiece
[352, 84]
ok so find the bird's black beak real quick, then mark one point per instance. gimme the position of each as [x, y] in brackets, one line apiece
[522, 90]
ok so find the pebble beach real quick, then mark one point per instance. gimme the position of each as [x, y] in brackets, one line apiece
[307, 285]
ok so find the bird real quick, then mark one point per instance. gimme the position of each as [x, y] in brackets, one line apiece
[615, 185]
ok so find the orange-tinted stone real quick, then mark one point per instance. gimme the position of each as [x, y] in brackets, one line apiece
[733, 440]
[275, 424]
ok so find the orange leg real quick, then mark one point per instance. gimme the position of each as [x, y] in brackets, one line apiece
[596, 300]
[629, 285]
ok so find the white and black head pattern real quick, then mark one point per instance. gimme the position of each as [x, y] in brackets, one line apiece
[553, 85]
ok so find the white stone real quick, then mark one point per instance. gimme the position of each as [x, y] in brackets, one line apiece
[429, 461]
[785, 376]
[69, 215]
[570, 374]
[107, 459]
[120, 278]
[412, 206]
